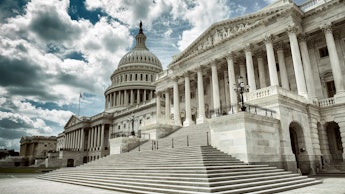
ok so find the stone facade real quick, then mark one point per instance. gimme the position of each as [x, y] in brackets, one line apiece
[36, 148]
[129, 102]
[291, 61]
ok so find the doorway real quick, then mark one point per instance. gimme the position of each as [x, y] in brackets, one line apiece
[334, 141]
[298, 147]
[70, 163]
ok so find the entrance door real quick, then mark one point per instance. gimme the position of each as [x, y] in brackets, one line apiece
[294, 144]
[70, 163]
[334, 141]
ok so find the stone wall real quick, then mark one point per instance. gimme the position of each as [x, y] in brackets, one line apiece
[248, 137]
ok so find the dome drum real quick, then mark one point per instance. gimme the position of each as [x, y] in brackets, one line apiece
[132, 81]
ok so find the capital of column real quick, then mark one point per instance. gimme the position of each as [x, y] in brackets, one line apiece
[268, 38]
[230, 55]
[247, 47]
[326, 28]
[303, 37]
[279, 46]
[159, 92]
[292, 29]
[186, 74]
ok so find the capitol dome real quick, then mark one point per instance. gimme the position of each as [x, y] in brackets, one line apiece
[132, 81]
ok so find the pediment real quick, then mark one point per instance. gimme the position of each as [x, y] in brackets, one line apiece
[228, 29]
[72, 121]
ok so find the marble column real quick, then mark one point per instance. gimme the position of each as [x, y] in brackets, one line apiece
[125, 98]
[188, 121]
[334, 59]
[282, 67]
[144, 95]
[89, 139]
[98, 137]
[102, 137]
[272, 68]
[158, 104]
[117, 94]
[261, 68]
[66, 140]
[308, 72]
[250, 67]
[297, 62]
[177, 117]
[114, 98]
[167, 104]
[243, 73]
[201, 101]
[132, 97]
[138, 96]
[215, 89]
[82, 140]
[232, 82]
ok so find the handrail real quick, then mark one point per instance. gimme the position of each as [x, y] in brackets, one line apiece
[255, 109]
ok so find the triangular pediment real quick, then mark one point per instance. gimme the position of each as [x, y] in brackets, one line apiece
[222, 31]
[72, 121]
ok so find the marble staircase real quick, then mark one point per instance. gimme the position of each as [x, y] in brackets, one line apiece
[194, 135]
[193, 169]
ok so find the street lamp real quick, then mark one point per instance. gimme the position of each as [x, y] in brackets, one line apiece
[131, 119]
[241, 89]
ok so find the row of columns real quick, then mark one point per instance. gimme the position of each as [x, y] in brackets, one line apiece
[96, 138]
[75, 139]
[299, 52]
[126, 97]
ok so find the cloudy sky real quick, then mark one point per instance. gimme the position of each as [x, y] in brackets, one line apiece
[51, 51]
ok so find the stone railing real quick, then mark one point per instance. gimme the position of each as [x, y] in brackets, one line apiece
[273, 90]
[312, 4]
[261, 93]
[154, 121]
[324, 102]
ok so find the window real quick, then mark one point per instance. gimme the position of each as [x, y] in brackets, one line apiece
[323, 52]
[330, 88]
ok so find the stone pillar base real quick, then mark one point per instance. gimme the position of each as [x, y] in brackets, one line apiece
[187, 123]
[200, 120]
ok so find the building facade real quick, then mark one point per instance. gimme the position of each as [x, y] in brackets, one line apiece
[291, 62]
[129, 101]
[291, 58]
[36, 148]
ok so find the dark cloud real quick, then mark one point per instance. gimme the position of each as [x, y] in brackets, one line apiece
[49, 26]
[12, 124]
[18, 72]
[11, 8]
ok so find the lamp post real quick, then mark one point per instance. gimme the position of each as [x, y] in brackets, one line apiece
[241, 89]
[131, 119]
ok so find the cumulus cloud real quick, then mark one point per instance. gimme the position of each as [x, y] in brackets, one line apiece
[37, 66]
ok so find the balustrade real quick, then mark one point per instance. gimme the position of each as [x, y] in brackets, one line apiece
[312, 4]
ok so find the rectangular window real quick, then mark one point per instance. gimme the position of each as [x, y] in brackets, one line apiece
[330, 89]
[323, 52]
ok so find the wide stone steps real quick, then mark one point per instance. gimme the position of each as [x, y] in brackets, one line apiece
[195, 135]
[179, 170]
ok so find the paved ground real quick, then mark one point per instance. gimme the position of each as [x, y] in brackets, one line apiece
[26, 184]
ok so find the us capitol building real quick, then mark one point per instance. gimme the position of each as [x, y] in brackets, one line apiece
[268, 86]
